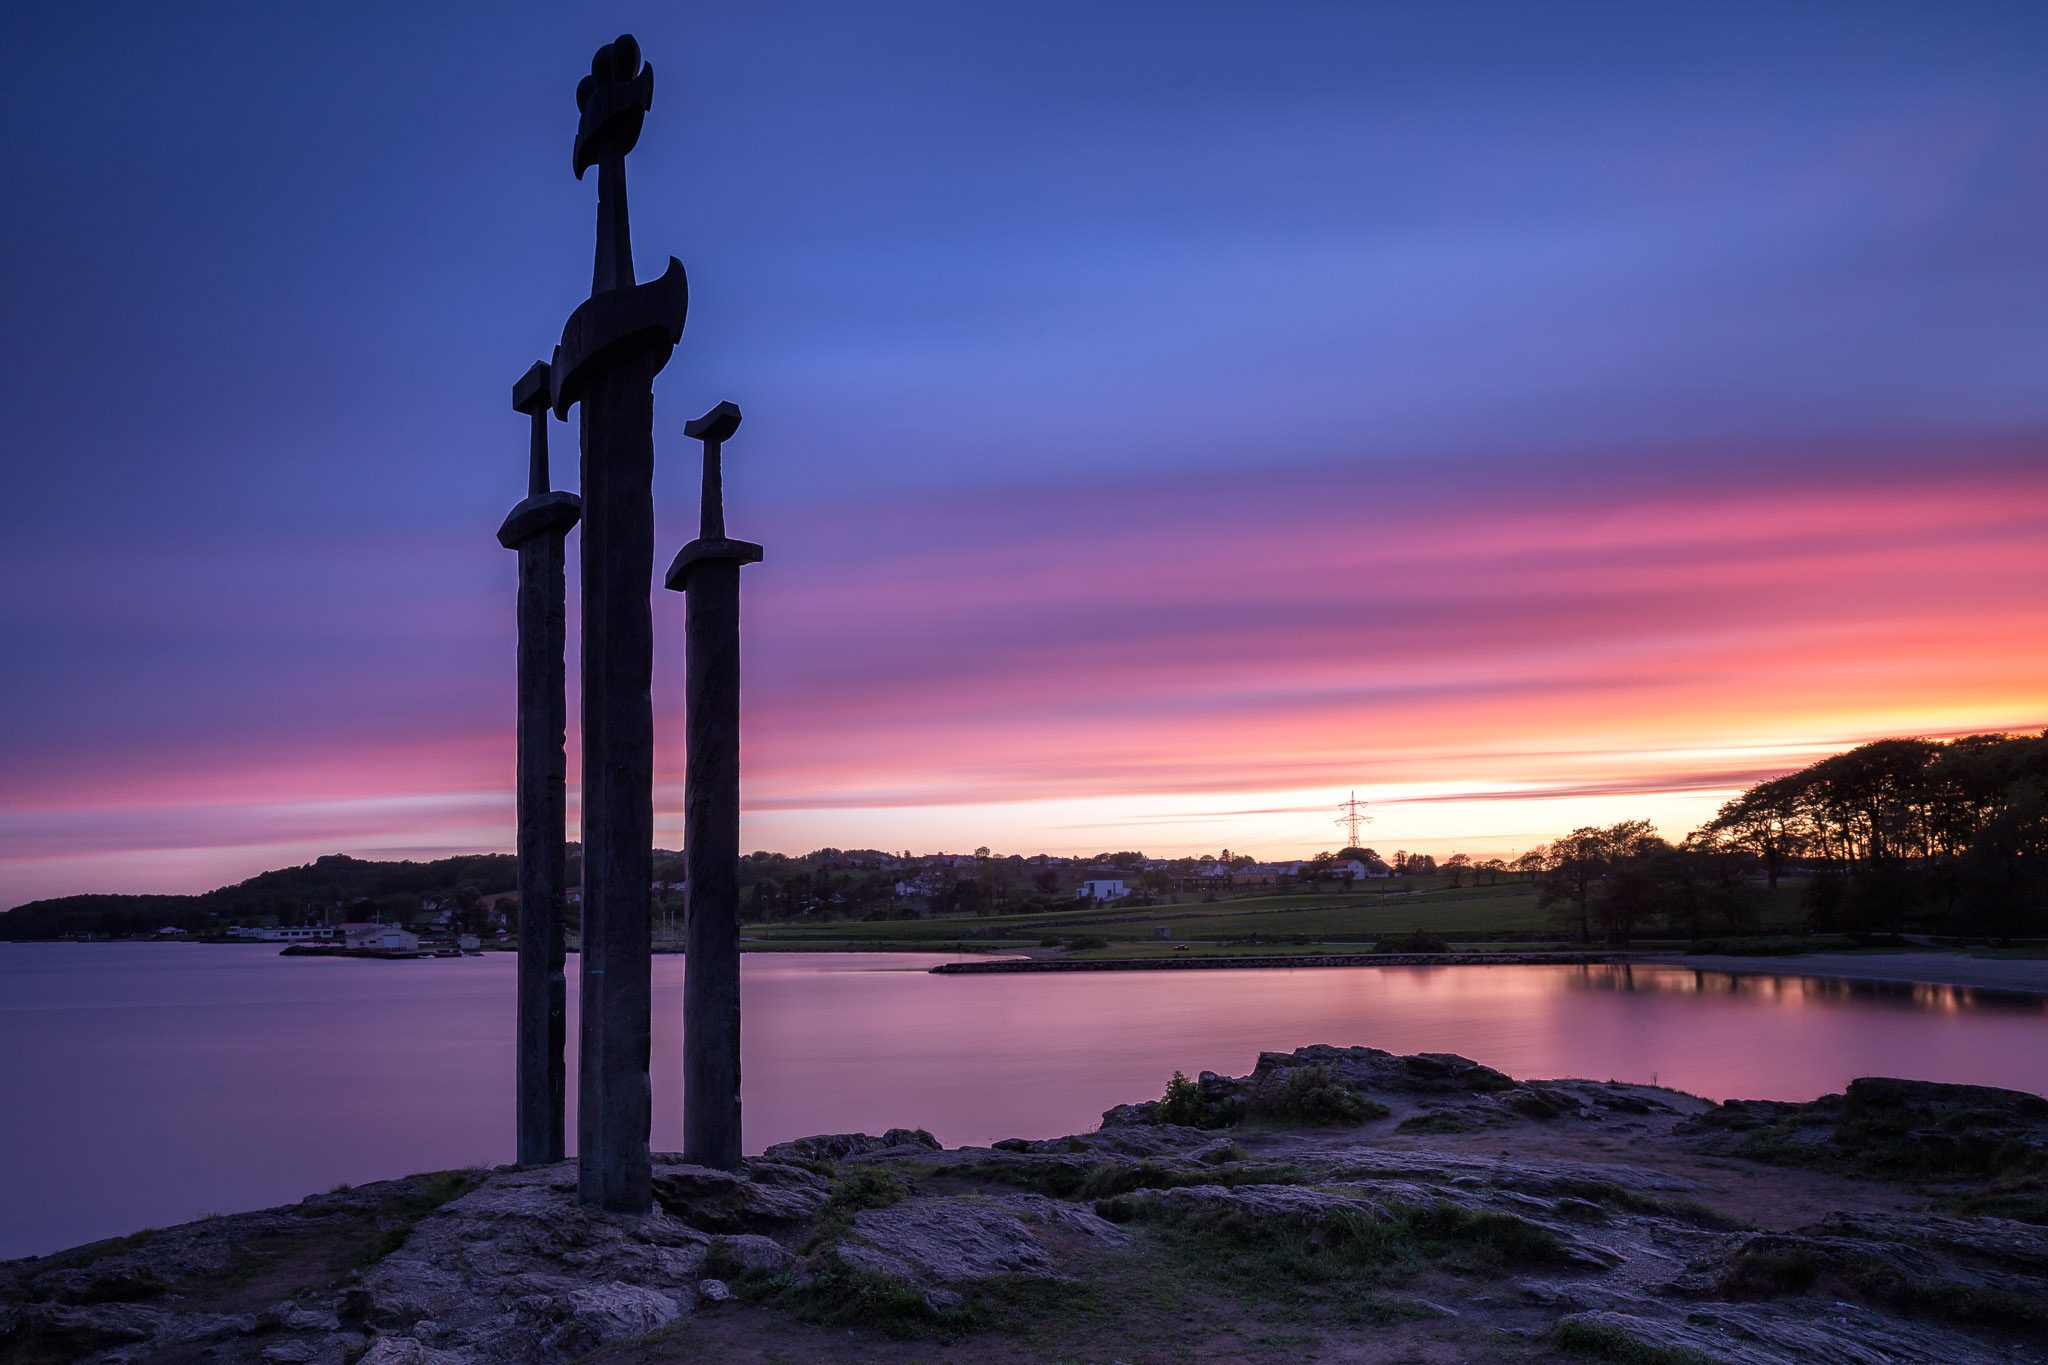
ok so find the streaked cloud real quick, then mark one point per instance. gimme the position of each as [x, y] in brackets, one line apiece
[1161, 419]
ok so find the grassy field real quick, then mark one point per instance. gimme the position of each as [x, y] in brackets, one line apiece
[1339, 919]
[1354, 917]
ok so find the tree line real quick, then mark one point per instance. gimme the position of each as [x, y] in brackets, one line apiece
[1895, 835]
[324, 891]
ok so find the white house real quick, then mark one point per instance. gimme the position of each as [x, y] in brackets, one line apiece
[1102, 889]
[289, 934]
[381, 936]
[1355, 869]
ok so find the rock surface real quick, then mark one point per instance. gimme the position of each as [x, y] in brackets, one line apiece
[1420, 1207]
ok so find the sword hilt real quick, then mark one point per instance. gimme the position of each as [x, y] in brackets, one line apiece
[611, 102]
[530, 396]
[712, 429]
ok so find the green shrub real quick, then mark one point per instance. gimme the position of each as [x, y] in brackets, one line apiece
[1312, 1095]
[1086, 942]
[1182, 1103]
[864, 1187]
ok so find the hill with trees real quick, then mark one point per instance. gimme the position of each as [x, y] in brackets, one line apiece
[1892, 836]
[323, 891]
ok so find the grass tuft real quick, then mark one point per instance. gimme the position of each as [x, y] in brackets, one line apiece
[1363, 1242]
[1438, 1121]
[861, 1187]
[1768, 1268]
[838, 1295]
[397, 1212]
[1605, 1341]
[2023, 1199]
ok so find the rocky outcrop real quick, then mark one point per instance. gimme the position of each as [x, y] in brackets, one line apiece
[1883, 1126]
[518, 1269]
[1408, 1086]
[762, 1194]
[1464, 1206]
[839, 1146]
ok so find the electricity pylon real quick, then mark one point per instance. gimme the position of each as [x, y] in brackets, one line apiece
[1354, 815]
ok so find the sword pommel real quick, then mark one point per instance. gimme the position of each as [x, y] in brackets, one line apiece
[715, 426]
[712, 429]
[612, 100]
[530, 394]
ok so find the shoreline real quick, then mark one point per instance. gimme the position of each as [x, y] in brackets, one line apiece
[2011, 976]
[1952, 969]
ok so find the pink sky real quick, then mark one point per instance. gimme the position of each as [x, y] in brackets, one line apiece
[1162, 420]
[1192, 667]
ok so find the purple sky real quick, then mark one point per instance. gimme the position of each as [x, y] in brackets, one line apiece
[1138, 401]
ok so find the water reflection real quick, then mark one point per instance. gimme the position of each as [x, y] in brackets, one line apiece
[141, 1084]
[1799, 990]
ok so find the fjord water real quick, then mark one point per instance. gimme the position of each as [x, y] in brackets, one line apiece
[144, 1084]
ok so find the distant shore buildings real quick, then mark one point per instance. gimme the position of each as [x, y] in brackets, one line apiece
[387, 937]
[297, 933]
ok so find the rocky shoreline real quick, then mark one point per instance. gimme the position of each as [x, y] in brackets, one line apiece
[1336, 1203]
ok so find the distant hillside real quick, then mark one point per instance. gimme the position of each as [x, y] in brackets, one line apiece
[291, 894]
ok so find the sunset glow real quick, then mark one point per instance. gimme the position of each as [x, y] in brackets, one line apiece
[1534, 665]
[1184, 431]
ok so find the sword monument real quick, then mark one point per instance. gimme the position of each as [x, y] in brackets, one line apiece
[536, 529]
[612, 347]
[708, 571]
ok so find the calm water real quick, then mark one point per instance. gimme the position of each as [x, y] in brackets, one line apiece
[144, 1084]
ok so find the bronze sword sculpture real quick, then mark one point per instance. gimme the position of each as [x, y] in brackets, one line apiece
[536, 528]
[708, 571]
[612, 347]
